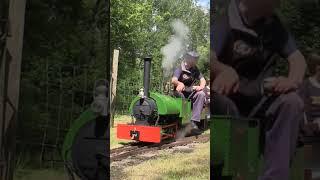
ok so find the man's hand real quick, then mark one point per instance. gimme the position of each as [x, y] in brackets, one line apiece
[180, 87]
[226, 82]
[198, 88]
[283, 85]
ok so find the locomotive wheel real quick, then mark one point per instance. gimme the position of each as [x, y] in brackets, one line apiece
[90, 149]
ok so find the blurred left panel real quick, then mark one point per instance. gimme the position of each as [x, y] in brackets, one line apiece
[54, 85]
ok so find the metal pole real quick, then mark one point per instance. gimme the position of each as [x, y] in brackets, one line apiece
[146, 76]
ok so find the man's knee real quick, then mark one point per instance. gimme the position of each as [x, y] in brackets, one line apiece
[292, 100]
[200, 94]
[287, 103]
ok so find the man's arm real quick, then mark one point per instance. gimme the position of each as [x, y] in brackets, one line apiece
[175, 81]
[224, 78]
[203, 82]
[297, 67]
[216, 66]
[175, 77]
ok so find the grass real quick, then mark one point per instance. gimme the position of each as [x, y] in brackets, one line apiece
[118, 119]
[186, 166]
[207, 131]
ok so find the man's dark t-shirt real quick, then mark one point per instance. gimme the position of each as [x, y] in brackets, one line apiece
[187, 76]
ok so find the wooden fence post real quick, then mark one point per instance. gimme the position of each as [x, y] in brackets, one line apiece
[114, 76]
[10, 85]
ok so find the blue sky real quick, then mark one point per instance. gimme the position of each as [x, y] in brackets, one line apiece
[204, 3]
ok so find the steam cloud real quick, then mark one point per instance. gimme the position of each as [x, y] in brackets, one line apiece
[176, 46]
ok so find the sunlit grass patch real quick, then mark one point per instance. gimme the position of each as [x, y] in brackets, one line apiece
[168, 165]
[207, 131]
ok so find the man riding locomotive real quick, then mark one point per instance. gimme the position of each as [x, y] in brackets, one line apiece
[184, 79]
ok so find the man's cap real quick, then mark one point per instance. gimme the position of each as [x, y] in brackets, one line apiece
[192, 54]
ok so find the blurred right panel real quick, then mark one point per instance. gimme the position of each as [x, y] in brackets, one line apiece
[265, 73]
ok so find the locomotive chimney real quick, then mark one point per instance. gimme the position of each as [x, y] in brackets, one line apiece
[146, 77]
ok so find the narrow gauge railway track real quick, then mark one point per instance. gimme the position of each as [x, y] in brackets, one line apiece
[134, 149]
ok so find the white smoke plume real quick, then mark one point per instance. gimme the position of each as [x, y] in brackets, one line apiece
[176, 46]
